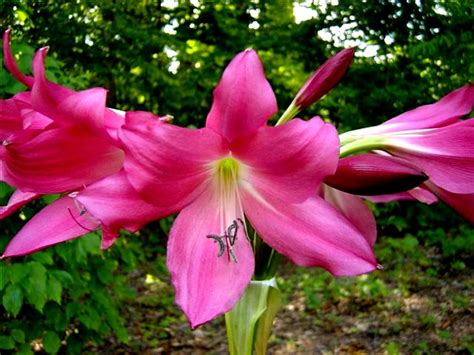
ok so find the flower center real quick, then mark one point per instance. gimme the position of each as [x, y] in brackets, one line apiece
[227, 171]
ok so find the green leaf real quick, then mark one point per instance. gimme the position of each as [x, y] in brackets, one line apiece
[51, 342]
[73, 309]
[55, 289]
[74, 344]
[105, 272]
[6, 343]
[35, 285]
[50, 198]
[18, 335]
[56, 317]
[91, 319]
[16, 272]
[241, 321]
[13, 299]
[63, 276]
[25, 349]
[3, 276]
[5, 189]
[265, 322]
[43, 257]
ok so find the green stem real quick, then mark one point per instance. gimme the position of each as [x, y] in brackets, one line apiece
[362, 145]
[290, 112]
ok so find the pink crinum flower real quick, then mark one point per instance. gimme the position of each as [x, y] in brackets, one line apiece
[61, 140]
[56, 140]
[433, 139]
[235, 169]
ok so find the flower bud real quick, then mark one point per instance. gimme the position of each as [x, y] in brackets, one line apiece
[371, 174]
[324, 79]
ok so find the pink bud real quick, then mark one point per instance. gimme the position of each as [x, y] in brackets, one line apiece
[325, 78]
[371, 174]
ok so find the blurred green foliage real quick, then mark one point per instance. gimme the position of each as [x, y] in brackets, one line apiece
[167, 59]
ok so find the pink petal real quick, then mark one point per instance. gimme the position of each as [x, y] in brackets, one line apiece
[86, 108]
[442, 113]
[311, 233]
[167, 164]
[446, 155]
[418, 193]
[206, 285]
[34, 120]
[243, 100]
[56, 223]
[31, 119]
[17, 200]
[10, 118]
[461, 203]
[117, 205]
[45, 95]
[109, 236]
[10, 62]
[113, 120]
[59, 160]
[290, 160]
[325, 78]
[3, 176]
[371, 174]
[355, 210]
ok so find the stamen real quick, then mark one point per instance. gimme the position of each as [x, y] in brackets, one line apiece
[218, 239]
[227, 173]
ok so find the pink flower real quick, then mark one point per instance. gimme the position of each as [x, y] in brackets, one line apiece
[56, 140]
[59, 141]
[433, 139]
[237, 168]
[110, 204]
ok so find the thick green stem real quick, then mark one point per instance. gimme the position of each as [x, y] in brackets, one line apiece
[249, 323]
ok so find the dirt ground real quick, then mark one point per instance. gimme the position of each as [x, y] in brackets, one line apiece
[436, 319]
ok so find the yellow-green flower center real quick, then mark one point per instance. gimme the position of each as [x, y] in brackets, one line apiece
[227, 172]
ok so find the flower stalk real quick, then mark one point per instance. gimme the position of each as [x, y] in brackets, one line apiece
[249, 323]
[361, 146]
[289, 113]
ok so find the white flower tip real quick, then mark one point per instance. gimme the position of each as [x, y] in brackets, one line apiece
[165, 118]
